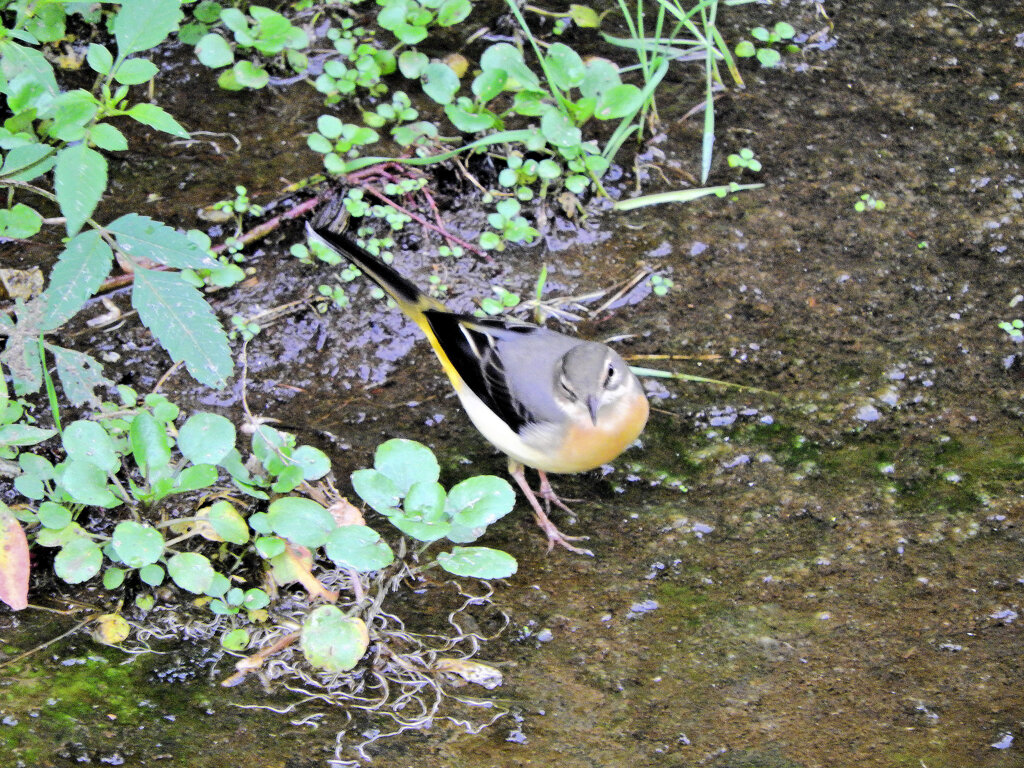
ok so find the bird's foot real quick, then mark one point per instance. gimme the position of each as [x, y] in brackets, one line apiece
[554, 535]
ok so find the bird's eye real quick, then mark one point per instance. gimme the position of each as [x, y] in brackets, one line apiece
[609, 375]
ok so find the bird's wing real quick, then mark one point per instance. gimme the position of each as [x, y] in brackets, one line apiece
[471, 346]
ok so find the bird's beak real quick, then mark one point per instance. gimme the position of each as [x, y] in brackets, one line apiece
[593, 406]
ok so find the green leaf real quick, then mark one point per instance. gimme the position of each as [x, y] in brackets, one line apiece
[559, 130]
[228, 524]
[149, 444]
[745, 49]
[144, 24]
[254, 599]
[184, 324]
[155, 117]
[27, 162]
[235, 640]
[300, 520]
[195, 477]
[206, 438]
[479, 501]
[78, 560]
[333, 642]
[412, 63]
[105, 136]
[564, 66]
[584, 16]
[451, 12]
[191, 571]
[426, 502]
[142, 236]
[619, 101]
[80, 270]
[88, 441]
[86, 484]
[135, 71]
[54, 515]
[24, 434]
[377, 490]
[250, 75]
[478, 562]
[359, 547]
[312, 461]
[113, 577]
[152, 574]
[137, 545]
[79, 373]
[99, 58]
[214, 51]
[489, 84]
[440, 82]
[600, 75]
[19, 222]
[768, 57]
[406, 462]
[79, 180]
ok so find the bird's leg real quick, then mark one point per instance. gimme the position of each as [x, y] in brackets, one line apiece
[550, 497]
[554, 535]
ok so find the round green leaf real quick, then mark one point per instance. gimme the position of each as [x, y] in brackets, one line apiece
[113, 577]
[99, 58]
[191, 571]
[149, 443]
[53, 515]
[300, 520]
[227, 522]
[250, 75]
[270, 546]
[426, 502]
[86, 484]
[359, 547]
[152, 574]
[406, 462]
[559, 130]
[489, 84]
[745, 49]
[377, 490]
[219, 585]
[478, 562]
[235, 640]
[313, 461]
[768, 57]
[479, 501]
[421, 531]
[90, 442]
[254, 599]
[565, 66]
[412, 63]
[618, 101]
[206, 438]
[330, 126]
[440, 82]
[78, 560]
[451, 12]
[137, 545]
[333, 642]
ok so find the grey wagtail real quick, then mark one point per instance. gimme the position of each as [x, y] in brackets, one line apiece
[547, 400]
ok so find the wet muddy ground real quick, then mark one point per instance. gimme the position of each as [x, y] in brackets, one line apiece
[829, 573]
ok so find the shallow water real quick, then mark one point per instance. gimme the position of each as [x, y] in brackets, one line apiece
[828, 573]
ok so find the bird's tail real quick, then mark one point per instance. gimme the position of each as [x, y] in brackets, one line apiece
[410, 299]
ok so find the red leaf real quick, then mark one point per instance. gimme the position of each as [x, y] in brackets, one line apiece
[13, 561]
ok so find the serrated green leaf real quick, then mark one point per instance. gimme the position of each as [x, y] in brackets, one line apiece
[80, 180]
[141, 236]
[135, 71]
[80, 270]
[143, 24]
[184, 324]
[28, 162]
[79, 373]
[155, 117]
